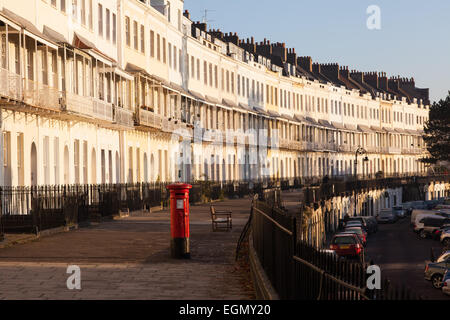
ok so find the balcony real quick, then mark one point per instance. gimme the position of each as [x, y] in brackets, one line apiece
[123, 117]
[102, 110]
[345, 148]
[412, 150]
[284, 143]
[149, 119]
[78, 104]
[40, 95]
[394, 150]
[371, 149]
[10, 85]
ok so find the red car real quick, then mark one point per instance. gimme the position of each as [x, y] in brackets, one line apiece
[347, 245]
[360, 232]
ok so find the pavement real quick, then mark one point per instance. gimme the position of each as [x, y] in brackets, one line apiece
[401, 255]
[129, 259]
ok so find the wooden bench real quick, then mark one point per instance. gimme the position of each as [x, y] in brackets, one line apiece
[221, 220]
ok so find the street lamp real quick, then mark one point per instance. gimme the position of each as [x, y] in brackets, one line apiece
[359, 151]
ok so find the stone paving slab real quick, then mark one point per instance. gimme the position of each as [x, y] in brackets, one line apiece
[129, 259]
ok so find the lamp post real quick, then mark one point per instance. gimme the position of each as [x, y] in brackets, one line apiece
[359, 151]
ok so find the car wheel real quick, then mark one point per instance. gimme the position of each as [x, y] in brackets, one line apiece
[436, 280]
[422, 234]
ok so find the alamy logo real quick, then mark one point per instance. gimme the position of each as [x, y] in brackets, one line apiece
[374, 280]
[374, 19]
[74, 280]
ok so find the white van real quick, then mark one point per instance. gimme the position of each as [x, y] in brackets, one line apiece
[418, 223]
[421, 212]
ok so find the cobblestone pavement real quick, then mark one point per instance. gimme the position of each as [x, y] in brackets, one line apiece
[129, 259]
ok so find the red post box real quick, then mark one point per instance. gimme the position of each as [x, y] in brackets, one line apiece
[179, 220]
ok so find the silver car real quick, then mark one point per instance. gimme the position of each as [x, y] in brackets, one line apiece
[446, 283]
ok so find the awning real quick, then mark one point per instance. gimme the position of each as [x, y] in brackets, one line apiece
[364, 128]
[241, 107]
[287, 117]
[338, 125]
[326, 124]
[390, 130]
[351, 127]
[399, 130]
[197, 95]
[121, 73]
[83, 43]
[261, 111]
[29, 28]
[273, 114]
[311, 121]
[213, 100]
[54, 35]
[377, 129]
[299, 118]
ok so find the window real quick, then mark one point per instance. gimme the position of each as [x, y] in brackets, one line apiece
[127, 31]
[192, 67]
[216, 77]
[135, 35]
[142, 39]
[170, 55]
[53, 2]
[152, 43]
[108, 25]
[74, 9]
[174, 57]
[114, 28]
[232, 82]
[63, 6]
[158, 47]
[164, 50]
[90, 16]
[83, 12]
[100, 20]
[198, 69]
[205, 72]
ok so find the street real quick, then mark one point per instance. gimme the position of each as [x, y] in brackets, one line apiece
[401, 255]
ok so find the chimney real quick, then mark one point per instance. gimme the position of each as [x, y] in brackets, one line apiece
[305, 63]
[232, 37]
[292, 57]
[358, 76]
[330, 70]
[371, 78]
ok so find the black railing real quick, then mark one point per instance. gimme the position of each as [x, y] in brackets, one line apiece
[299, 271]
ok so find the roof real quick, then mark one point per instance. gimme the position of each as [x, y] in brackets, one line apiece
[326, 124]
[351, 127]
[364, 128]
[338, 125]
[24, 23]
[389, 130]
[54, 35]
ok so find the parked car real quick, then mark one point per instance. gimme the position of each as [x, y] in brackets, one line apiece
[386, 216]
[358, 231]
[360, 219]
[399, 212]
[426, 226]
[436, 235]
[371, 223]
[445, 237]
[434, 271]
[446, 283]
[347, 245]
[416, 213]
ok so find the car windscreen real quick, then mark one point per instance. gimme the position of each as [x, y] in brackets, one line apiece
[354, 230]
[344, 240]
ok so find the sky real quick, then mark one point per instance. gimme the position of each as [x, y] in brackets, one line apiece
[414, 39]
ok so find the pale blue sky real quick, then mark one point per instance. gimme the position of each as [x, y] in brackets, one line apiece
[414, 40]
